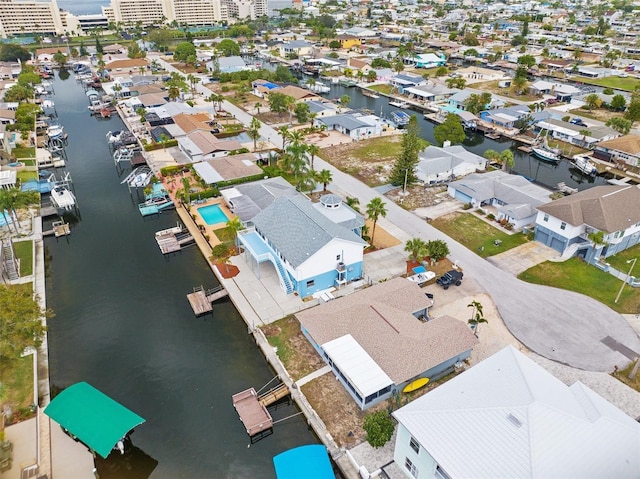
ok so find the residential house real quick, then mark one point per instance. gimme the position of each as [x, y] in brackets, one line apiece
[582, 136]
[442, 164]
[430, 92]
[322, 108]
[248, 199]
[381, 338]
[360, 32]
[227, 168]
[299, 94]
[309, 251]
[509, 417]
[508, 117]
[201, 145]
[625, 149]
[509, 197]
[151, 100]
[406, 80]
[295, 48]
[428, 60]
[190, 122]
[565, 224]
[7, 117]
[358, 65]
[262, 88]
[560, 91]
[128, 65]
[457, 101]
[348, 41]
[594, 72]
[230, 64]
[354, 125]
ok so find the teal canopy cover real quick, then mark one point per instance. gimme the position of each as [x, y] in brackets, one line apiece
[92, 416]
[310, 462]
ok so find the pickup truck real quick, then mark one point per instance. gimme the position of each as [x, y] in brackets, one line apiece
[449, 278]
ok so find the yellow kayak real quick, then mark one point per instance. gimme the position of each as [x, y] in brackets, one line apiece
[415, 385]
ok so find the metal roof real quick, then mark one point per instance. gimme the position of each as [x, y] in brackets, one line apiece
[248, 199]
[304, 232]
[207, 172]
[509, 417]
[358, 367]
[92, 416]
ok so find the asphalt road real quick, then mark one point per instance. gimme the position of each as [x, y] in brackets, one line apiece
[560, 325]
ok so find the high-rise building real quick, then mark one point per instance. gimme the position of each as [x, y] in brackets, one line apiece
[30, 16]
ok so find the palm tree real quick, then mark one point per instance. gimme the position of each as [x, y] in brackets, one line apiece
[416, 248]
[353, 203]
[375, 209]
[13, 199]
[284, 133]
[313, 150]
[257, 106]
[476, 315]
[254, 132]
[235, 225]
[507, 159]
[324, 177]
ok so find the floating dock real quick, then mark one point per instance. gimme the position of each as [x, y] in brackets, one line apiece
[200, 300]
[252, 409]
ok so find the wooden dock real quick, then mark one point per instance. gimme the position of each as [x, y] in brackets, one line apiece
[173, 239]
[200, 300]
[252, 413]
[526, 149]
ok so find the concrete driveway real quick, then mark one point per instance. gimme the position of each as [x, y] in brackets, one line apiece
[523, 257]
[560, 325]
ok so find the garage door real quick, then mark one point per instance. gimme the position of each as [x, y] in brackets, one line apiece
[462, 197]
[557, 245]
[543, 238]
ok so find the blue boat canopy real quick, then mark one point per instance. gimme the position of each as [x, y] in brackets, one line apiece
[92, 416]
[310, 462]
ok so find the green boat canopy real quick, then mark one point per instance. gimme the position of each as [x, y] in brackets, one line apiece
[92, 416]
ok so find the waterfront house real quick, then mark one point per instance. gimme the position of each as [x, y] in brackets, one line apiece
[405, 80]
[322, 108]
[248, 199]
[190, 122]
[201, 145]
[430, 92]
[442, 164]
[625, 149]
[584, 137]
[509, 417]
[227, 168]
[261, 88]
[565, 224]
[295, 48]
[310, 251]
[510, 197]
[560, 91]
[508, 117]
[230, 64]
[381, 338]
[354, 125]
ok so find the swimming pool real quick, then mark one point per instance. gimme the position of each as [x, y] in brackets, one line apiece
[213, 214]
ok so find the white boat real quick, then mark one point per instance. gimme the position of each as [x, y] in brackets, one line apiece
[170, 231]
[62, 198]
[318, 87]
[545, 154]
[399, 104]
[139, 178]
[113, 136]
[584, 164]
[369, 93]
[421, 278]
[55, 131]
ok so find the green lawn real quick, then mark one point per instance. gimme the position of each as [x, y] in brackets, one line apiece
[386, 89]
[576, 275]
[476, 234]
[619, 261]
[24, 251]
[27, 175]
[627, 84]
[16, 387]
[23, 152]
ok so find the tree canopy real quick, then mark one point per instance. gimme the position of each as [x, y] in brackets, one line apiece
[12, 53]
[228, 48]
[279, 102]
[20, 321]
[183, 51]
[406, 163]
[451, 130]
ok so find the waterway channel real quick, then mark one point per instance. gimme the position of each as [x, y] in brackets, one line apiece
[123, 324]
[525, 164]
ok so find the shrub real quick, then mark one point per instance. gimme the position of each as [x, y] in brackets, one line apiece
[466, 206]
[480, 211]
[491, 216]
[509, 226]
[503, 222]
[379, 428]
[566, 118]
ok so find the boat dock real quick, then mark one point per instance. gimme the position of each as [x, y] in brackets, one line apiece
[252, 410]
[58, 229]
[200, 300]
[173, 239]
[526, 149]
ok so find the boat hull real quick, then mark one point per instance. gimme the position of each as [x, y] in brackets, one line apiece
[415, 385]
[545, 155]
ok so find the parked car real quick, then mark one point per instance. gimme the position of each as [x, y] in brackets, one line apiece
[451, 277]
[551, 101]
[578, 121]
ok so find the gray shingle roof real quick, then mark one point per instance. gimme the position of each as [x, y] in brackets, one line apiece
[606, 208]
[298, 230]
[511, 189]
[256, 196]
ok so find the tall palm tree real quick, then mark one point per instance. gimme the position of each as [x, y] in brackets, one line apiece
[353, 203]
[477, 315]
[284, 133]
[12, 200]
[313, 150]
[235, 225]
[375, 209]
[324, 177]
[254, 132]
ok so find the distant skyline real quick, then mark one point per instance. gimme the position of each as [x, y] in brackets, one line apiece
[82, 7]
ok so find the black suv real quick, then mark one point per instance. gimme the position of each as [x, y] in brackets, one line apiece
[449, 278]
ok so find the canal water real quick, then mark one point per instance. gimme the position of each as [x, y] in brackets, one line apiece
[525, 164]
[123, 324]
